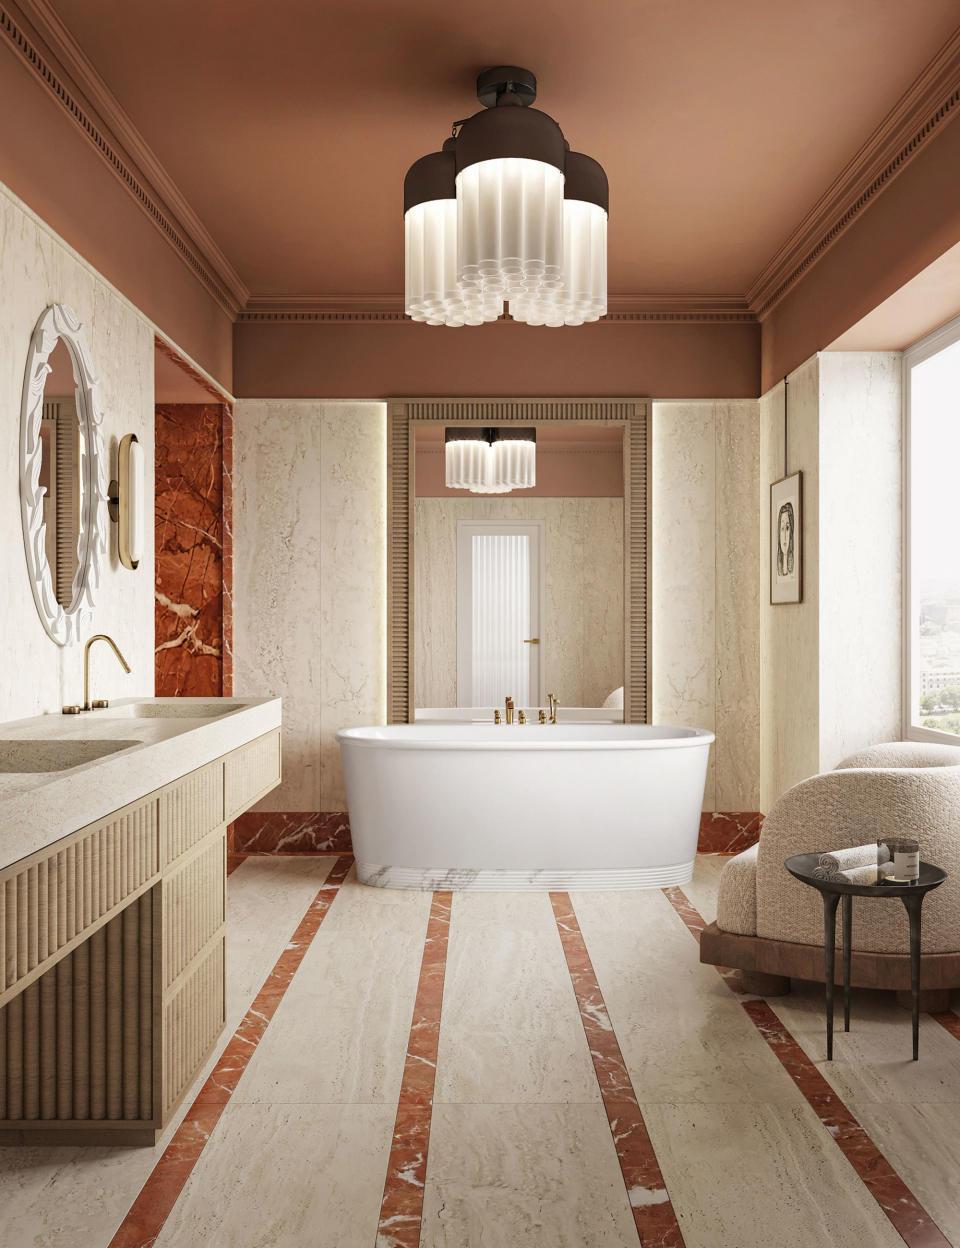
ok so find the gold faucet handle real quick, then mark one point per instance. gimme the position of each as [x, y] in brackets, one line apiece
[521, 717]
[496, 716]
[542, 715]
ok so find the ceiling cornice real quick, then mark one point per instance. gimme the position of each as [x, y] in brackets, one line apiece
[35, 34]
[918, 115]
[388, 309]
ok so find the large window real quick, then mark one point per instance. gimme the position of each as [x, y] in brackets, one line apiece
[932, 439]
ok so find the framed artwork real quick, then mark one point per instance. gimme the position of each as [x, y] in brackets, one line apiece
[786, 539]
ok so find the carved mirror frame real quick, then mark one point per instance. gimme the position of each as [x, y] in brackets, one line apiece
[64, 625]
[403, 417]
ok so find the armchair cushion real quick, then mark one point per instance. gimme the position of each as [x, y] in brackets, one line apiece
[737, 897]
[851, 806]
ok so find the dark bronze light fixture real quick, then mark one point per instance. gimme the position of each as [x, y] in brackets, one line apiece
[505, 213]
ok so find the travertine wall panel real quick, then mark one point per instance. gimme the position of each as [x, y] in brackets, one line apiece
[37, 269]
[706, 570]
[310, 581]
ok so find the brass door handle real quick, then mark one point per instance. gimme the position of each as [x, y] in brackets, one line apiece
[531, 641]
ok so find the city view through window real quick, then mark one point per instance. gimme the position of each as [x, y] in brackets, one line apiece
[935, 540]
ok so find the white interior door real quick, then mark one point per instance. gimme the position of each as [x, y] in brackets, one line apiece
[499, 612]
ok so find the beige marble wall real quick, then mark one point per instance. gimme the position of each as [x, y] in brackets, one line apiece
[706, 577]
[310, 579]
[790, 710]
[36, 269]
[831, 665]
[860, 555]
[583, 629]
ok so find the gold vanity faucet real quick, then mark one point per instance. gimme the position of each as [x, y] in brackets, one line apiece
[99, 703]
[508, 710]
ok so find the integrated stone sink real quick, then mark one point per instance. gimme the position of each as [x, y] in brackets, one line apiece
[176, 708]
[20, 757]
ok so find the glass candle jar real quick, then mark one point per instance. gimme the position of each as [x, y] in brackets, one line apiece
[898, 859]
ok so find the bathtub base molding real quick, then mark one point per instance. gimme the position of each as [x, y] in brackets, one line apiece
[479, 880]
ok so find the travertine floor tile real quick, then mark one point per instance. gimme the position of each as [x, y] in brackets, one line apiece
[340, 1033]
[683, 1036]
[519, 1176]
[300, 1176]
[762, 1176]
[510, 1028]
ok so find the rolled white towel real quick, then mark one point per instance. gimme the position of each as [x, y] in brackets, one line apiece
[870, 855]
[857, 875]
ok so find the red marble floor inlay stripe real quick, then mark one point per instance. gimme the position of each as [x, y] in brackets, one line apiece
[908, 1216]
[653, 1213]
[159, 1194]
[949, 1020]
[402, 1207]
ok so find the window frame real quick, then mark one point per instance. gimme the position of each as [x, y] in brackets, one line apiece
[946, 336]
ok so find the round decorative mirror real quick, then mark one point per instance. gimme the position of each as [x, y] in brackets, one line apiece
[62, 478]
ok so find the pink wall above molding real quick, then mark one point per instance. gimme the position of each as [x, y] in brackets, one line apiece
[379, 359]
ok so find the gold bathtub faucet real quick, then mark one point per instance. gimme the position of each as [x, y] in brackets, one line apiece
[508, 710]
[554, 702]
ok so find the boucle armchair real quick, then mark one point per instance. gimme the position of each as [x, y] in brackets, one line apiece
[770, 925]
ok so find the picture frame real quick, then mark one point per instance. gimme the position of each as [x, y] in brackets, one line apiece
[786, 539]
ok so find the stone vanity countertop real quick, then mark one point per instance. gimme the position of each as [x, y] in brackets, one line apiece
[169, 740]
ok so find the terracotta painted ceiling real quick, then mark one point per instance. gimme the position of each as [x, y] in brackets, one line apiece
[288, 126]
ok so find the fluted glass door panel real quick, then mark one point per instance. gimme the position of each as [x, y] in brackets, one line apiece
[499, 590]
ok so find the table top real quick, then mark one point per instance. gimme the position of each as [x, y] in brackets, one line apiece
[801, 866]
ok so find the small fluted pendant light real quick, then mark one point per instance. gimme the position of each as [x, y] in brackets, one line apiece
[487, 460]
[506, 213]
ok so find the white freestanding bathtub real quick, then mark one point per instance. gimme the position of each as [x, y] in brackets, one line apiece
[585, 806]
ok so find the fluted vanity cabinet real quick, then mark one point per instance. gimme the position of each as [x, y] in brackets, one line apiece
[112, 941]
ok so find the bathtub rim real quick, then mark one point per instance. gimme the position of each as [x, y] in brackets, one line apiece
[537, 737]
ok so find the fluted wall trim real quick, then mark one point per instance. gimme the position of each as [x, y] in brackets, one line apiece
[917, 117]
[403, 415]
[37, 36]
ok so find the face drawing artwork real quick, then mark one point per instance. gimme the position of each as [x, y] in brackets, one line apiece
[785, 526]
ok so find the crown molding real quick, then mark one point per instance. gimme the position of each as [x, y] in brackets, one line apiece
[388, 309]
[917, 116]
[37, 36]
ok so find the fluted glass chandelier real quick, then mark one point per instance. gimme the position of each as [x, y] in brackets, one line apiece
[505, 215]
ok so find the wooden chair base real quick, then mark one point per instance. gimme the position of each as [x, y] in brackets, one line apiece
[767, 966]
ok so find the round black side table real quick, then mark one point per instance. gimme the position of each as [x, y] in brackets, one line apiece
[802, 867]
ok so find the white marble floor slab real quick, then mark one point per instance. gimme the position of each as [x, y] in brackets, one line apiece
[511, 1028]
[762, 1176]
[524, 1176]
[290, 1176]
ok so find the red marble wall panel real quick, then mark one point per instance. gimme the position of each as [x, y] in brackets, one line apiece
[728, 831]
[188, 612]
